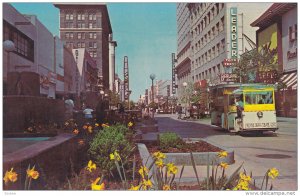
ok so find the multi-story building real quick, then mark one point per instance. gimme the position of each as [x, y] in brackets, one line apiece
[216, 33]
[34, 66]
[87, 25]
[183, 66]
[278, 29]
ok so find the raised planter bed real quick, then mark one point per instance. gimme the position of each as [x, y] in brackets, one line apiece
[201, 158]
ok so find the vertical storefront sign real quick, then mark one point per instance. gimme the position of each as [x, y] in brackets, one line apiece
[233, 33]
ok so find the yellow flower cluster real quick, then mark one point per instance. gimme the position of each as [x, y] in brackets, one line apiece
[31, 173]
[130, 124]
[115, 156]
[76, 131]
[166, 187]
[91, 166]
[222, 154]
[143, 171]
[146, 184]
[97, 187]
[223, 165]
[243, 183]
[273, 173]
[10, 176]
[105, 125]
[171, 168]
[158, 156]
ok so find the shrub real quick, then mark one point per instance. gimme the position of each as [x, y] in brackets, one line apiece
[170, 140]
[108, 141]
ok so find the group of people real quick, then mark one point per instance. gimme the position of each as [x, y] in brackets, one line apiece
[87, 111]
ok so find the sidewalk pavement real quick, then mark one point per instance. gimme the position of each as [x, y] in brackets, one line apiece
[246, 155]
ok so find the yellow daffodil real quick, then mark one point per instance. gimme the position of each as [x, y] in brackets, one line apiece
[166, 188]
[244, 177]
[85, 127]
[96, 187]
[90, 129]
[223, 165]
[159, 163]
[31, 173]
[96, 125]
[171, 168]
[134, 188]
[242, 185]
[10, 176]
[115, 156]
[130, 124]
[143, 171]
[91, 166]
[159, 155]
[146, 184]
[105, 125]
[222, 154]
[76, 131]
[273, 173]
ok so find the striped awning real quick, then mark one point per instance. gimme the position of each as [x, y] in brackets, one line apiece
[290, 80]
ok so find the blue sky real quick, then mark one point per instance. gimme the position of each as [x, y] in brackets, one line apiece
[145, 32]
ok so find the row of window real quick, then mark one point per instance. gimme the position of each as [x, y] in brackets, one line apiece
[212, 53]
[80, 25]
[198, 11]
[207, 38]
[210, 73]
[70, 35]
[220, 26]
[91, 45]
[80, 16]
[24, 46]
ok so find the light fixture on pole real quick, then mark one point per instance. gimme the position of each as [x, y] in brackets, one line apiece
[184, 84]
[9, 47]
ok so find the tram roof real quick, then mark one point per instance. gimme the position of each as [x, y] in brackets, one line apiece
[238, 85]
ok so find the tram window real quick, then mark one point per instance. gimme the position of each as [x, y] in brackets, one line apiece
[259, 98]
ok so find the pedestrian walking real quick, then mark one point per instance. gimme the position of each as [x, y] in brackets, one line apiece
[179, 111]
[69, 107]
[88, 114]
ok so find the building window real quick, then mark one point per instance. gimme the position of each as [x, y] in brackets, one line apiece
[217, 29]
[223, 45]
[78, 35]
[94, 54]
[71, 35]
[293, 33]
[95, 44]
[90, 25]
[91, 44]
[213, 33]
[67, 16]
[222, 24]
[218, 50]
[81, 16]
[95, 35]
[213, 52]
[67, 35]
[71, 17]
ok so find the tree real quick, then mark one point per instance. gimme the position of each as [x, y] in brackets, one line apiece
[114, 98]
[256, 60]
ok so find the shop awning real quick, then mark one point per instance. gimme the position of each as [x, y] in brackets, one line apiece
[290, 80]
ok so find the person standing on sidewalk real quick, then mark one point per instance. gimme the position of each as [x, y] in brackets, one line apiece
[179, 110]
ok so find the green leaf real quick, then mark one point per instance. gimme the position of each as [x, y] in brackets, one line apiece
[195, 170]
[233, 175]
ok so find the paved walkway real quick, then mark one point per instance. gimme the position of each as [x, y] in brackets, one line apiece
[256, 153]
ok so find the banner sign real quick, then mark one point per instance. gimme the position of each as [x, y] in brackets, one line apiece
[268, 77]
[229, 62]
[228, 77]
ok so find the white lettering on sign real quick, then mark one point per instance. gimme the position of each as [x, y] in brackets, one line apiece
[233, 32]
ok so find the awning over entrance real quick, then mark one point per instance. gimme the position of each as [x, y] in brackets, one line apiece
[290, 80]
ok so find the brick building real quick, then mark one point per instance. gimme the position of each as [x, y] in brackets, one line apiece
[87, 25]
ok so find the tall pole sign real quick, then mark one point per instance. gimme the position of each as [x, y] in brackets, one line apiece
[233, 33]
[173, 74]
[126, 80]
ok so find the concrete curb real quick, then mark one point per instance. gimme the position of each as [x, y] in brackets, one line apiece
[200, 158]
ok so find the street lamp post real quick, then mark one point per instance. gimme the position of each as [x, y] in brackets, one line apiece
[184, 84]
[152, 77]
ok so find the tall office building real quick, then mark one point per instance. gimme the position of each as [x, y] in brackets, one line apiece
[87, 25]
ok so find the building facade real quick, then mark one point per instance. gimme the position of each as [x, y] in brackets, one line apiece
[217, 33]
[87, 25]
[278, 30]
[183, 66]
[32, 67]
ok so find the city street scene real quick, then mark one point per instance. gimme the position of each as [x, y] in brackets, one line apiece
[150, 96]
